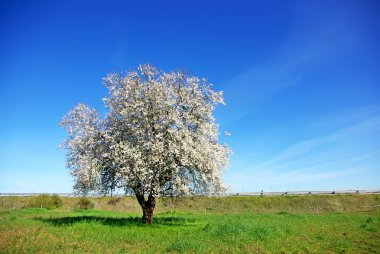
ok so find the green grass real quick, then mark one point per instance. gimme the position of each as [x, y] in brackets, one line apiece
[199, 225]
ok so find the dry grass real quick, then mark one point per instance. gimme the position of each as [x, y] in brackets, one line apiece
[315, 204]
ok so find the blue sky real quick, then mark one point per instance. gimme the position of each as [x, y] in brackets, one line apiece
[301, 82]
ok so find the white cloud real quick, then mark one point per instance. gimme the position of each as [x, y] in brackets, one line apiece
[298, 179]
[305, 147]
[339, 154]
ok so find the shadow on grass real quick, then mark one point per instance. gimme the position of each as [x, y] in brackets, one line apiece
[114, 221]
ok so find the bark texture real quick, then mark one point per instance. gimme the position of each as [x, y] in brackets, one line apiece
[147, 206]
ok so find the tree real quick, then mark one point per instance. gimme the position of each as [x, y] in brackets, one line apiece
[159, 137]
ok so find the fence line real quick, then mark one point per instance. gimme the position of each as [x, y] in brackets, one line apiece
[261, 193]
[332, 192]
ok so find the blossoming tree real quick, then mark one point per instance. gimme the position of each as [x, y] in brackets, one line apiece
[159, 137]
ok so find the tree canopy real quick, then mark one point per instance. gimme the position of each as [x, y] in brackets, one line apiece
[158, 137]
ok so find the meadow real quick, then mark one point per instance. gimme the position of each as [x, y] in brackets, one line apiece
[238, 224]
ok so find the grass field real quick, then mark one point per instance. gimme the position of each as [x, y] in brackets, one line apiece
[283, 224]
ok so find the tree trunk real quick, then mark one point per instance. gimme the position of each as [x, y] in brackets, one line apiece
[147, 217]
[147, 208]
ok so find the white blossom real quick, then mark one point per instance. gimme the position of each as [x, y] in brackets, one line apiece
[159, 136]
